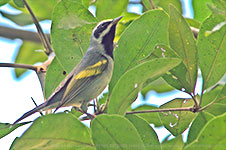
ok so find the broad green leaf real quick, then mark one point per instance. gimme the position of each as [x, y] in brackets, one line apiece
[220, 4]
[211, 96]
[216, 10]
[216, 109]
[182, 42]
[124, 23]
[175, 77]
[147, 134]
[138, 41]
[29, 53]
[216, 99]
[159, 85]
[5, 128]
[212, 50]
[174, 144]
[197, 125]
[221, 98]
[87, 3]
[212, 136]
[201, 11]
[3, 2]
[41, 8]
[151, 118]
[193, 23]
[115, 132]
[75, 113]
[123, 96]
[177, 121]
[71, 31]
[163, 3]
[20, 19]
[110, 9]
[56, 131]
[19, 3]
[54, 75]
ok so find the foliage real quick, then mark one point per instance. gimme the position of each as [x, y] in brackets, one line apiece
[156, 48]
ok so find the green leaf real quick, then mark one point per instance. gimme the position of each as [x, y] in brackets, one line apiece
[159, 85]
[110, 8]
[193, 23]
[122, 96]
[197, 125]
[20, 19]
[216, 109]
[117, 132]
[151, 118]
[175, 77]
[182, 42]
[87, 3]
[71, 31]
[3, 2]
[211, 96]
[201, 11]
[163, 4]
[124, 23]
[29, 53]
[177, 121]
[212, 136]
[174, 144]
[54, 75]
[146, 31]
[220, 4]
[211, 50]
[19, 3]
[56, 131]
[147, 134]
[221, 97]
[41, 8]
[5, 128]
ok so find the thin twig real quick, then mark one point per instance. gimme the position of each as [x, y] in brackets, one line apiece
[195, 101]
[43, 37]
[162, 110]
[30, 67]
[36, 106]
[152, 4]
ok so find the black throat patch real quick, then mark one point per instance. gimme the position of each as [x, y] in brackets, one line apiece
[107, 41]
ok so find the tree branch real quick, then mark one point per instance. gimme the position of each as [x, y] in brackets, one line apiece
[12, 33]
[30, 67]
[162, 110]
[43, 37]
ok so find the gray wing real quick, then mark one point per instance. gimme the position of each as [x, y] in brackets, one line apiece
[87, 72]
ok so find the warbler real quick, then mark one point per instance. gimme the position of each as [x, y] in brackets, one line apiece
[90, 77]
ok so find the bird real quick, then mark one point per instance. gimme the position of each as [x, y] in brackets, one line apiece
[89, 77]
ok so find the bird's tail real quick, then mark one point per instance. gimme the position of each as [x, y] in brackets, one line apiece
[36, 109]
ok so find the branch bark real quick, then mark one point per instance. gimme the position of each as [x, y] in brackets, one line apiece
[23, 66]
[12, 33]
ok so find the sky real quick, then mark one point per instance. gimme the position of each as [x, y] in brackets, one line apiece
[15, 95]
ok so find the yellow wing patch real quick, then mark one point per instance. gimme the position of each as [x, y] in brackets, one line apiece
[91, 70]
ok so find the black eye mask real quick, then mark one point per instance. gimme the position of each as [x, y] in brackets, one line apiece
[101, 28]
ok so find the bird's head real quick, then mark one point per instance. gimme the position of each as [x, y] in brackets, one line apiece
[104, 34]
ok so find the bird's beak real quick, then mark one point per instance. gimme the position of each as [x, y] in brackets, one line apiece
[116, 20]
